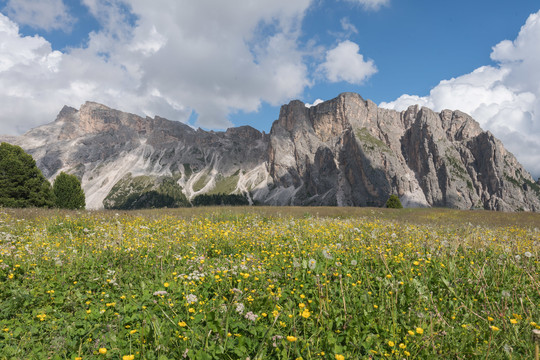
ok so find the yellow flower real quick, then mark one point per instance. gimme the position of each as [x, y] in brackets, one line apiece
[182, 324]
[419, 330]
[513, 321]
[102, 351]
[133, 332]
[391, 343]
[306, 313]
[78, 358]
[407, 353]
[402, 346]
[291, 338]
[340, 357]
[411, 332]
[166, 284]
[494, 328]
[128, 357]
[490, 318]
[301, 305]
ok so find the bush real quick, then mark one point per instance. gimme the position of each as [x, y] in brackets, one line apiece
[393, 202]
[21, 183]
[68, 192]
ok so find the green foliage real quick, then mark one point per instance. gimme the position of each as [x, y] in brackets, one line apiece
[220, 199]
[68, 192]
[145, 192]
[393, 202]
[21, 183]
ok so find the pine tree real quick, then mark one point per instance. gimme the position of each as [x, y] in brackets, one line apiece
[21, 183]
[68, 192]
[393, 202]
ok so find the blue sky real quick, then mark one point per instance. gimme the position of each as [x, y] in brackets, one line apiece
[217, 64]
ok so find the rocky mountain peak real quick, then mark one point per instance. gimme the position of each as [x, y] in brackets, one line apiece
[345, 151]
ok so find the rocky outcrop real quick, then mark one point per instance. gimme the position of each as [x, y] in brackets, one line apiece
[345, 152]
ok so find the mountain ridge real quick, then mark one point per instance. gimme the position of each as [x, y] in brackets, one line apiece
[345, 151]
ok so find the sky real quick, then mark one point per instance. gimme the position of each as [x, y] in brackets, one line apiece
[216, 64]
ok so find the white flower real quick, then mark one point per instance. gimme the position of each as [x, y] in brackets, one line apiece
[191, 299]
[239, 308]
[251, 316]
[528, 254]
[354, 262]
[159, 293]
[312, 264]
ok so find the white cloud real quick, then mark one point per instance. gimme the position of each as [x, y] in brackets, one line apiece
[504, 99]
[165, 57]
[345, 63]
[315, 103]
[348, 27]
[40, 14]
[371, 4]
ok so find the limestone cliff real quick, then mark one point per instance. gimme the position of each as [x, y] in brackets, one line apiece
[345, 152]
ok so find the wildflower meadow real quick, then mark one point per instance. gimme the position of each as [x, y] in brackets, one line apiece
[225, 284]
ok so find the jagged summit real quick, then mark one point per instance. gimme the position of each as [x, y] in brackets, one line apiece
[345, 151]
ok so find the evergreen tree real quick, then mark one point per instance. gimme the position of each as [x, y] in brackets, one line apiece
[21, 183]
[68, 192]
[393, 202]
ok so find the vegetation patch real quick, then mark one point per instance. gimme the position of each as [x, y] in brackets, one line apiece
[145, 192]
[225, 185]
[201, 182]
[370, 142]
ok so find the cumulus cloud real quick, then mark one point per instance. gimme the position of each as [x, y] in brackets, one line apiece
[166, 57]
[504, 98]
[345, 63]
[40, 14]
[371, 4]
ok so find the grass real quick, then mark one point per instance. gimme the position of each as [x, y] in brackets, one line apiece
[201, 182]
[268, 283]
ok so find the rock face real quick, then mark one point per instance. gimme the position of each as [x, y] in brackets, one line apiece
[344, 152]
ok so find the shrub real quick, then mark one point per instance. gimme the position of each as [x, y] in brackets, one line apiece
[393, 202]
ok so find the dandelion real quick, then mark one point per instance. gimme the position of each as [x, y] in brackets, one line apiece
[305, 314]
[391, 343]
[166, 284]
[354, 262]
[312, 264]
[339, 357]
[326, 254]
[528, 254]
[494, 328]
[513, 321]
[102, 351]
[182, 324]
[291, 338]
[419, 330]
[128, 357]
[402, 346]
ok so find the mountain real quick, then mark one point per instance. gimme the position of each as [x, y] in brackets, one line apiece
[344, 152]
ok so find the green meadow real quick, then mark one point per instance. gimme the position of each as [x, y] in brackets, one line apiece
[268, 283]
